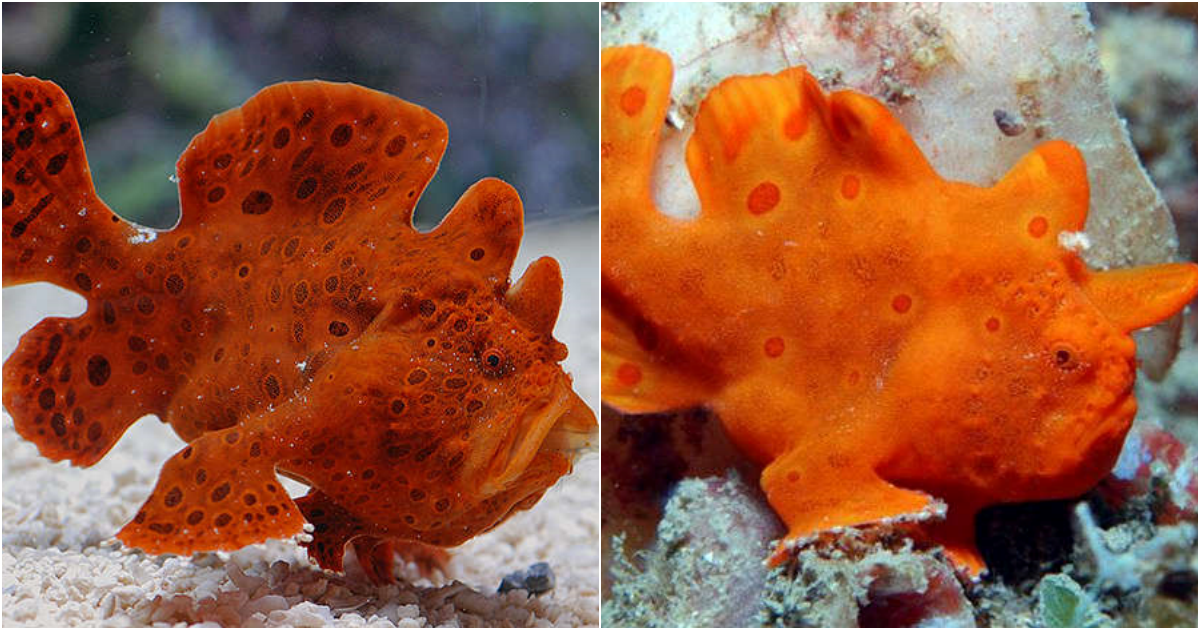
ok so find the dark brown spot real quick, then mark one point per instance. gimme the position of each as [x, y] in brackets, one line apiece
[426, 308]
[137, 344]
[442, 505]
[281, 138]
[83, 245]
[257, 202]
[25, 138]
[243, 271]
[222, 520]
[83, 281]
[331, 284]
[256, 449]
[201, 477]
[456, 382]
[341, 135]
[397, 406]
[174, 284]
[55, 165]
[232, 437]
[306, 188]
[220, 492]
[195, 517]
[271, 385]
[173, 497]
[305, 118]
[216, 194]
[338, 329]
[301, 157]
[356, 170]
[98, 370]
[300, 292]
[250, 498]
[140, 367]
[222, 161]
[46, 399]
[94, 432]
[416, 494]
[162, 362]
[58, 422]
[334, 210]
[290, 247]
[395, 146]
[417, 376]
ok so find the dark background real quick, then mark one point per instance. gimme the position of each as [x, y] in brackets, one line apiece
[516, 83]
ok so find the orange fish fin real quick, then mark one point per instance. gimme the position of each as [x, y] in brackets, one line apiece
[377, 558]
[637, 380]
[483, 230]
[1142, 296]
[73, 386]
[765, 145]
[811, 496]
[219, 493]
[635, 91]
[55, 227]
[1046, 190]
[957, 535]
[537, 297]
[311, 151]
[333, 527]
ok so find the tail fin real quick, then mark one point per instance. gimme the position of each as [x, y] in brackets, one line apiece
[55, 227]
[66, 384]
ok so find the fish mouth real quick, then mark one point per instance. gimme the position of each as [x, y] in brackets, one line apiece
[560, 424]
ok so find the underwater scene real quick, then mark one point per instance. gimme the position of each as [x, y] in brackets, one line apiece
[898, 317]
[347, 256]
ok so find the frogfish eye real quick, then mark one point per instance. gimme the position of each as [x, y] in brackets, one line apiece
[1064, 357]
[494, 362]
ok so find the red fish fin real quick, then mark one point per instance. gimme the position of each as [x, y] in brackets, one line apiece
[218, 493]
[333, 527]
[311, 151]
[635, 91]
[635, 378]
[1048, 191]
[73, 386]
[1142, 296]
[537, 297]
[429, 559]
[55, 227]
[483, 230]
[761, 141]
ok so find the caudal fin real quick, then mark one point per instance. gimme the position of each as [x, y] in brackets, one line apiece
[55, 227]
[73, 385]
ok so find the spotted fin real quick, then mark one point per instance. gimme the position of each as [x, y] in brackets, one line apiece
[56, 229]
[482, 232]
[635, 378]
[218, 493]
[774, 143]
[314, 151]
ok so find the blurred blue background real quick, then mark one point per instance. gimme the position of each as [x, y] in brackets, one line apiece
[516, 83]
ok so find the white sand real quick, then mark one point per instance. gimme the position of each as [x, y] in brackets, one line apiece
[62, 566]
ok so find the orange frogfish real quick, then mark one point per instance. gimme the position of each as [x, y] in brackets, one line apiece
[886, 343]
[292, 322]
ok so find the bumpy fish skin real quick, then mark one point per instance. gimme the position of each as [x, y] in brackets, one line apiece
[882, 340]
[293, 322]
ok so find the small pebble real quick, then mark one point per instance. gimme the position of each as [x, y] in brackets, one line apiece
[537, 579]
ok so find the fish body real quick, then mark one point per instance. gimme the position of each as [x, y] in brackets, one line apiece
[292, 322]
[889, 345]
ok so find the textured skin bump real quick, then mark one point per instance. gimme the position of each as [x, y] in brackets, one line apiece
[875, 336]
[292, 322]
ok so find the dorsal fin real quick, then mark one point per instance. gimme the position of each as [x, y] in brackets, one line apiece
[482, 232]
[311, 152]
[767, 140]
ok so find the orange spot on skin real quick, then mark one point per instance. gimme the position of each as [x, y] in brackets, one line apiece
[297, 169]
[850, 186]
[992, 324]
[901, 303]
[1038, 226]
[763, 198]
[795, 125]
[773, 347]
[629, 374]
[633, 100]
